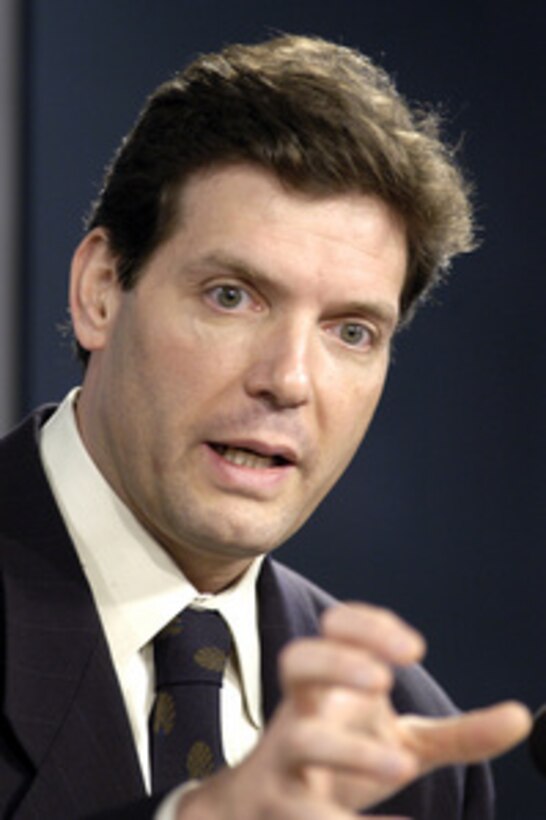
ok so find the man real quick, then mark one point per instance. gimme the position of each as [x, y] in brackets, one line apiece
[274, 216]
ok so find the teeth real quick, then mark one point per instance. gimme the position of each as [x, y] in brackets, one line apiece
[244, 458]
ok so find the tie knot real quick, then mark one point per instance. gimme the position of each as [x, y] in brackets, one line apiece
[192, 648]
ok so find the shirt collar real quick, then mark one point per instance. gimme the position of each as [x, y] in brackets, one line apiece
[137, 586]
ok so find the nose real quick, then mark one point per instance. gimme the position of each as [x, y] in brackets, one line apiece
[280, 366]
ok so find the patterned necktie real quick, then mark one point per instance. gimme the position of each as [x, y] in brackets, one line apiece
[185, 736]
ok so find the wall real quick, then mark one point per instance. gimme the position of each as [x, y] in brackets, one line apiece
[9, 206]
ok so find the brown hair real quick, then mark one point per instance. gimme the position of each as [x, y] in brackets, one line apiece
[322, 117]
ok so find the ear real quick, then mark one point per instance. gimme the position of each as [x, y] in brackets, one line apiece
[94, 290]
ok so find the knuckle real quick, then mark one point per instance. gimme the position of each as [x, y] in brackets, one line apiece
[299, 740]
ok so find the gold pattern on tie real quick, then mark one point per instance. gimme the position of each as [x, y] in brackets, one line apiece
[200, 761]
[190, 656]
[211, 657]
[164, 714]
[173, 628]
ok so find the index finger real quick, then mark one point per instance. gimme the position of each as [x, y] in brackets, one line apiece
[468, 738]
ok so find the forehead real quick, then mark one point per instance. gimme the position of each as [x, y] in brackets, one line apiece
[222, 198]
[350, 242]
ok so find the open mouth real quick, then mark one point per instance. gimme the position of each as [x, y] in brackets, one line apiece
[243, 457]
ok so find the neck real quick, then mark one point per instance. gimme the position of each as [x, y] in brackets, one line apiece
[209, 576]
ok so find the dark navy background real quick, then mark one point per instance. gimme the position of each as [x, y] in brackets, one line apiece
[441, 515]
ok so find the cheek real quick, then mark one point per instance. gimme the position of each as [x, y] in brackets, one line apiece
[178, 387]
[188, 351]
[353, 405]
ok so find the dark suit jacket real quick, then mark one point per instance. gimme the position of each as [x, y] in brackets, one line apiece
[66, 749]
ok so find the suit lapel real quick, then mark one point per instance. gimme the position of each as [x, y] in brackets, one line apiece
[289, 607]
[61, 696]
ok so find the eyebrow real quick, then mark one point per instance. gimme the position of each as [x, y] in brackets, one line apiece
[383, 312]
[240, 267]
[380, 310]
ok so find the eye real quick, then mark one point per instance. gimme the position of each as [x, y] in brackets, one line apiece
[229, 297]
[355, 334]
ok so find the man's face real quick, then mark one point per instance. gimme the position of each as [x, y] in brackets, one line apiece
[229, 390]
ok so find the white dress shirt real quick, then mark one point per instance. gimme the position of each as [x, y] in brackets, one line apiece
[138, 589]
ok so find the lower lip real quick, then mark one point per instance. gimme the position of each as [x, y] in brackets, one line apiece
[257, 481]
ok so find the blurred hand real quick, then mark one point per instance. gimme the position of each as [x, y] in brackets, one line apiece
[335, 744]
